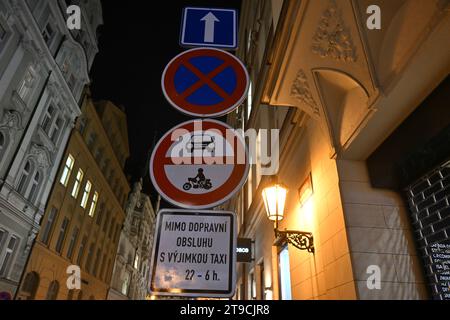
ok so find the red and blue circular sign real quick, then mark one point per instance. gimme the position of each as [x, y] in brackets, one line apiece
[205, 82]
[199, 164]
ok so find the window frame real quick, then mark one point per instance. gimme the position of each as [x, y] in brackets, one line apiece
[78, 182]
[93, 206]
[86, 193]
[46, 234]
[59, 246]
[7, 257]
[67, 170]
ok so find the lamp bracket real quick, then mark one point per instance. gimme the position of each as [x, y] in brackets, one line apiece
[300, 239]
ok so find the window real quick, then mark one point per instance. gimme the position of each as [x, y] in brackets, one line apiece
[98, 155]
[82, 125]
[67, 170]
[30, 285]
[116, 233]
[284, 274]
[97, 262]
[105, 224]
[125, 284]
[91, 140]
[100, 214]
[2, 33]
[93, 204]
[27, 82]
[45, 236]
[72, 82]
[102, 269]
[53, 290]
[81, 250]
[34, 186]
[62, 234]
[136, 261]
[262, 282]
[8, 255]
[48, 33]
[111, 227]
[77, 184]
[252, 286]
[73, 240]
[2, 142]
[70, 294]
[48, 119]
[56, 130]
[88, 263]
[23, 178]
[3, 235]
[86, 192]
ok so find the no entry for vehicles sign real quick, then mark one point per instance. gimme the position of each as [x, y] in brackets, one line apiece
[199, 164]
[194, 253]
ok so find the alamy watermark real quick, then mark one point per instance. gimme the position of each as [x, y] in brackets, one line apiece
[374, 279]
[212, 147]
[74, 17]
[74, 277]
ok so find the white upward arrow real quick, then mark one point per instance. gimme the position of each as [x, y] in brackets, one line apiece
[209, 19]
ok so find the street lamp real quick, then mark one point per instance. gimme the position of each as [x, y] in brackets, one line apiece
[274, 196]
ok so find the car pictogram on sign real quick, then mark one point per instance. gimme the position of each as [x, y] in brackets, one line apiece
[205, 177]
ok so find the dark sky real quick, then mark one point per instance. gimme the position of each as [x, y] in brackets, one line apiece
[136, 42]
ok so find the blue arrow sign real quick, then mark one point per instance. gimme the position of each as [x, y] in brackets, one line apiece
[209, 27]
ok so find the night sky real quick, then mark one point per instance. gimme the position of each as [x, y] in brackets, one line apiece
[136, 42]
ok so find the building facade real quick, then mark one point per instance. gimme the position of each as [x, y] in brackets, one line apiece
[43, 71]
[85, 212]
[363, 144]
[131, 275]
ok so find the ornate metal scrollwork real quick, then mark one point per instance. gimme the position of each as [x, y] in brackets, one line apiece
[299, 239]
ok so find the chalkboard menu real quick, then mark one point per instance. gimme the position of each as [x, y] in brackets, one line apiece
[429, 201]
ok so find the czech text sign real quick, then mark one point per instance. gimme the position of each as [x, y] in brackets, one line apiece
[209, 27]
[194, 253]
[199, 164]
[205, 82]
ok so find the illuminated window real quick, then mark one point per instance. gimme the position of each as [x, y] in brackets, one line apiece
[284, 274]
[249, 101]
[93, 204]
[76, 186]
[67, 170]
[87, 191]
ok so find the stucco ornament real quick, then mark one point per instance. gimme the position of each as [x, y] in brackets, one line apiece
[331, 38]
[300, 91]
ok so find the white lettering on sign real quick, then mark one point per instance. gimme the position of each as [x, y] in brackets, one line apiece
[194, 253]
[242, 250]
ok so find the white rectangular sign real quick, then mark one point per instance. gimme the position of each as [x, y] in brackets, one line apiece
[194, 253]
